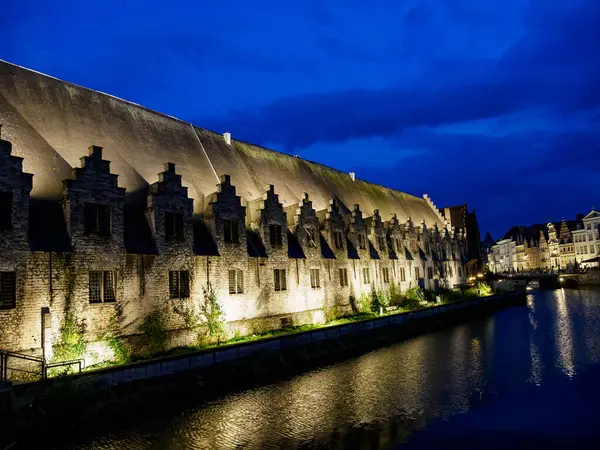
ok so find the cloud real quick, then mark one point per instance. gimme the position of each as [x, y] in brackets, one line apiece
[553, 66]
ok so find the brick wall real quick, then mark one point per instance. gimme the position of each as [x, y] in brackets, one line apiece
[60, 280]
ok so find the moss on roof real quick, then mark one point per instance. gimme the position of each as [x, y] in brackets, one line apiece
[51, 123]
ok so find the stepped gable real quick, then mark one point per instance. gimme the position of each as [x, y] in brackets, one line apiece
[49, 121]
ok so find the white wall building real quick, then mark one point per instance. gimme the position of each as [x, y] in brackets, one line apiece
[504, 256]
[587, 237]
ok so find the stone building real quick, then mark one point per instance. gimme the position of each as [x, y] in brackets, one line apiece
[459, 217]
[158, 210]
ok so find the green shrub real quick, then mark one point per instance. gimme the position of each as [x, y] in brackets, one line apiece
[154, 331]
[365, 303]
[70, 343]
[378, 301]
[112, 337]
[484, 289]
[213, 314]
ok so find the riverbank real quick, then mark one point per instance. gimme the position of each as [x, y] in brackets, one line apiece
[111, 396]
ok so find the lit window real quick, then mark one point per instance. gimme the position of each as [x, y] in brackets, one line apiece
[231, 230]
[366, 278]
[173, 226]
[97, 219]
[315, 282]
[280, 279]
[343, 277]
[5, 210]
[8, 290]
[385, 272]
[275, 235]
[179, 284]
[102, 286]
[236, 281]
[402, 274]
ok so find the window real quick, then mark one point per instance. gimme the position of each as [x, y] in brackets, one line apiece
[588, 226]
[8, 290]
[173, 226]
[584, 249]
[343, 277]
[381, 242]
[385, 274]
[179, 284]
[366, 278]
[280, 279]
[398, 245]
[275, 235]
[315, 283]
[337, 239]
[417, 274]
[362, 241]
[5, 210]
[427, 248]
[236, 281]
[429, 273]
[97, 219]
[310, 237]
[450, 271]
[231, 230]
[402, 274]
[102, 286]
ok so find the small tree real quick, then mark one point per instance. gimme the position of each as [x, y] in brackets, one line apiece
[213, 314]
[379, 301]
[154, 330]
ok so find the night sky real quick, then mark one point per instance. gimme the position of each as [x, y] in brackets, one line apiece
[493, 103]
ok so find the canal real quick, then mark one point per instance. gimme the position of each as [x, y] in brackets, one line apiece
[526, 376]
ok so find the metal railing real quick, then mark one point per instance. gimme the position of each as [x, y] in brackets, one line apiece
[39, 371]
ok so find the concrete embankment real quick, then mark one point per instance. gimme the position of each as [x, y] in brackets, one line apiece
[295, 351]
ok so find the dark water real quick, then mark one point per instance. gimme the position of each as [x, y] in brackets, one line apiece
[526, 377]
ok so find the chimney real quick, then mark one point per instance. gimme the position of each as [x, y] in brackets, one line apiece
[353, 176]
[227, 137]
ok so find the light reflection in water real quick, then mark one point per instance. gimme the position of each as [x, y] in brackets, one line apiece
[381, 398]
[563, 334]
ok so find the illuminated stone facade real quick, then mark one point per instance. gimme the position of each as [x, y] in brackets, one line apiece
[162, 220]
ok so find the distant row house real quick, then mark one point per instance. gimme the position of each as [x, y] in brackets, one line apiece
[552, 247]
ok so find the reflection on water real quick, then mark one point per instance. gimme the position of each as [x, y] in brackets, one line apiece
[380, 399]
[564, 335]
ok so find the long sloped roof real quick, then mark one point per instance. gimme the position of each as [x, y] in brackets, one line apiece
[51, 123]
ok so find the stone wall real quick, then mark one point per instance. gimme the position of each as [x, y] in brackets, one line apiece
[324, 241]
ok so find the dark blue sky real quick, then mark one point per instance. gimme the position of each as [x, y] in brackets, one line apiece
[492, 103]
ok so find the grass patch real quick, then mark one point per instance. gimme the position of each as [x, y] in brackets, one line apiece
[412, 300]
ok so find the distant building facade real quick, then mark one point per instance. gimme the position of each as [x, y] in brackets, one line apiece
[167, 210]
[459, 217]
[557, 246]
[586, 238]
